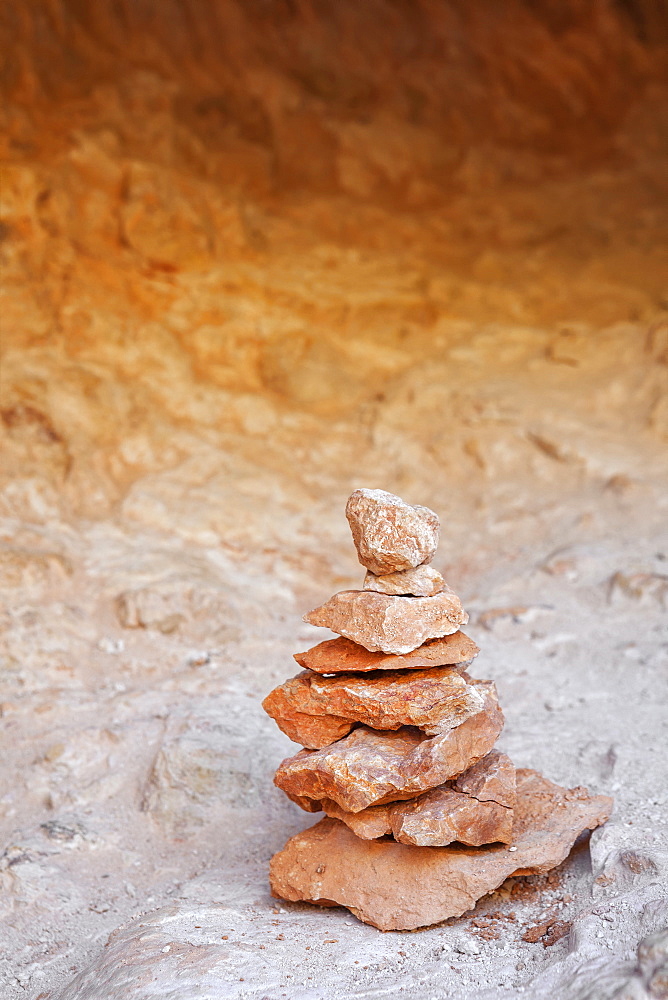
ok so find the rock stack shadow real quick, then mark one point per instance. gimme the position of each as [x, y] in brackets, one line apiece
[423, 816]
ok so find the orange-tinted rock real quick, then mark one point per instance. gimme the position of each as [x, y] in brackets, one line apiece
[369, 767]
[423, 581]
[312, 709]
[399, 887]
[444, 814]
[343, 655]
[389, 534]
[313, 731]
[492, 779]
[369, 824]
[437, 818]
[390, 624]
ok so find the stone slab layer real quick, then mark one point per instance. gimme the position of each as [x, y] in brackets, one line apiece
[368, 767]
[423, 581]
[342, 655]
[400, 887]
[312, 710]
[445, 814]
[435, 819]
[380, 622]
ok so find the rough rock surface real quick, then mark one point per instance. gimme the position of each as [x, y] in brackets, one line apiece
[492, 779]
[369, 824]
[423, 581]
[390, 624]
[445, 814]
[312, 710]
[342, 655]
[369, 767]
[390, 535]
[400, 887]
[435, 819]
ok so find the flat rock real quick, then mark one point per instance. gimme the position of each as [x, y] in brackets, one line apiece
[389, 534]
[492, 779]
[444, 814]
[369, 824]
[342, 655]
[439, 817]
[400, 887]
[423, 581]
[390, 624]
[368, 767]
[312, 710]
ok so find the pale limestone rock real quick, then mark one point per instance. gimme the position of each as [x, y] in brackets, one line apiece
[389, 534]
[400, 887]
[423, 581]
[445, 814]
[312, 709]
[369, 767]
[342, 655]
[390, 624]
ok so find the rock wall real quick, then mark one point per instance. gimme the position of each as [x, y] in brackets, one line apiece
[255, 255]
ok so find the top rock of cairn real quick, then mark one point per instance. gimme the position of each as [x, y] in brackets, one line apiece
[389, 534]
[398, 747]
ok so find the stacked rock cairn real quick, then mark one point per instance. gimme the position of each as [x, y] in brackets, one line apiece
[423, 816]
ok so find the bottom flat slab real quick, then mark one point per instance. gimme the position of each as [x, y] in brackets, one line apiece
[400, 887]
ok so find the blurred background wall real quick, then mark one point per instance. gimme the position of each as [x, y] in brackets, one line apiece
[421, 242]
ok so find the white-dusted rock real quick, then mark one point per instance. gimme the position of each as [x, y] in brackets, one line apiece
[390, 624]
[423, 581]
[389, 534]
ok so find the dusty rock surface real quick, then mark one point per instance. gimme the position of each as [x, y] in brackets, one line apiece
[343, 655]
[435, 819]
[393, 886]
[424, 581]
[389, 624]
[432, 700]
[369, 767]
[446, 814]
[253, 256]
[389, 534]
[492, 779]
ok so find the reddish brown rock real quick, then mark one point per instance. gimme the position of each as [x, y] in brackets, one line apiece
[399, 887]
[492, 779]
[312, 710]
[444, 815]
[390, 624]
[389, 534]
[435, 819]
[312, 731]
[369, 824]
[423, 581]
[369, 767]
[343, 655]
